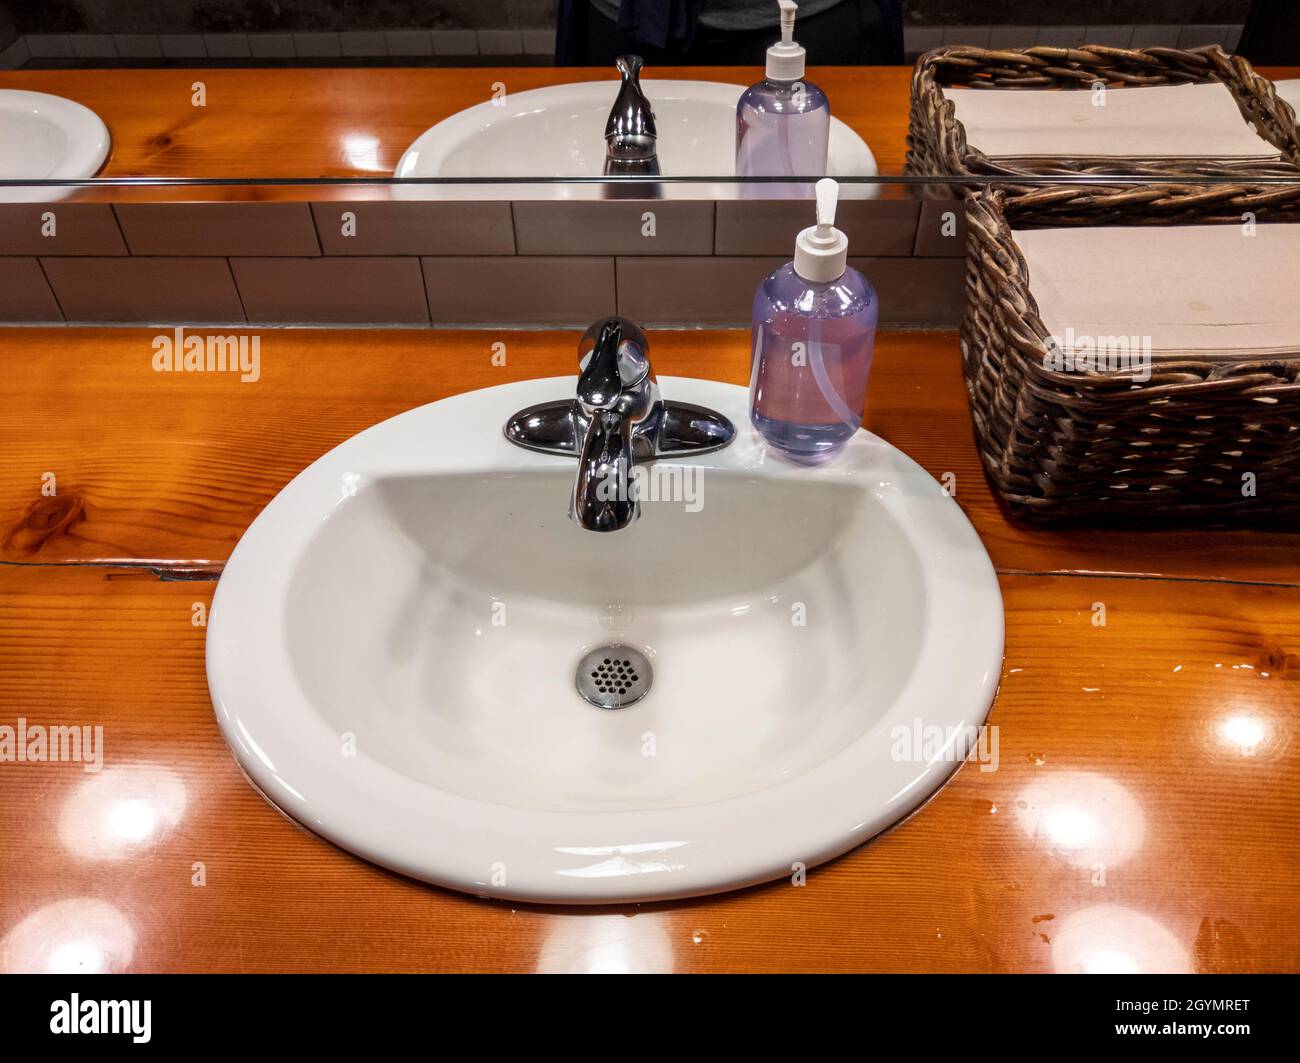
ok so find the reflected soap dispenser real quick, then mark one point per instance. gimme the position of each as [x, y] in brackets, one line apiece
[814, 333]
[783, 123]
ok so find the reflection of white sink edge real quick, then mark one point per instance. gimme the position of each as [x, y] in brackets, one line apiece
[293, 754]
[581, 108]
[52, 138]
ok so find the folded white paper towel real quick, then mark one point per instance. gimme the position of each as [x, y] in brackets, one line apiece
[1193, 289]
[1161, 121]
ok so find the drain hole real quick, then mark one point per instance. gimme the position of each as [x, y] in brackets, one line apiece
[616, 681]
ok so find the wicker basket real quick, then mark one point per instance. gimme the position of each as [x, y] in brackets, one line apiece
[1070, 445]
[937, 144]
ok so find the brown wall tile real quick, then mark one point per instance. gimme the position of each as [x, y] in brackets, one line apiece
[559, 227]
[917, 292]
[79, 229]
[461, 228]
[930, 239]
[720, 291]
[24, 293]
[283, 229]
[147, 290]
[690, 291]
[519, 291]
[769, 226]
[332, 290]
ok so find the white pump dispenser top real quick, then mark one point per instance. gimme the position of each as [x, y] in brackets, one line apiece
[821, 252]
[785, 59]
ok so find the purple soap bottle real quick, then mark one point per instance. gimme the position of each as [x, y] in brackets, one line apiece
[814, 333]
[783, 123]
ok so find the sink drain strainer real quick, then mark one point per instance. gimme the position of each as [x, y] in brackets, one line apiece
[613, 677]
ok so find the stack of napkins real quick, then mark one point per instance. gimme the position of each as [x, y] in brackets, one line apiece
[1193, 290]
[1159, 122]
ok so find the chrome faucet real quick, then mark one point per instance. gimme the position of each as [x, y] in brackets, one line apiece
[616, 392]
[616, 420]
[630, 138]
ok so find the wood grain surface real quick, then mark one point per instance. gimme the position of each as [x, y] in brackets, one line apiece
[170, 468]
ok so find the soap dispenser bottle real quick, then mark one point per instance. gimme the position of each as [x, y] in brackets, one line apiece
[814, 333]
[783, 123]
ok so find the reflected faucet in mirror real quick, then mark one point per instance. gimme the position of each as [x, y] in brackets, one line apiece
[631, 143]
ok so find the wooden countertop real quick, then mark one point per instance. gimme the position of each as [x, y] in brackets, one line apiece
[1163, 749]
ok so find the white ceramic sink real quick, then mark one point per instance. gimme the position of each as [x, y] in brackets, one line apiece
[44, 137]
[558, 132]
[392, 647]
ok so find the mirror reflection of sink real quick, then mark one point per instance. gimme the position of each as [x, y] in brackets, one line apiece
[558, 132]
[44, 137]
[393, 644]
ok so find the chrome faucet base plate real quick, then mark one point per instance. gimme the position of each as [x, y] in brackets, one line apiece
[672, 430]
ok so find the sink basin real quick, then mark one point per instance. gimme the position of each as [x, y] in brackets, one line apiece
[392, 650]
[558, 132]
[44, 137]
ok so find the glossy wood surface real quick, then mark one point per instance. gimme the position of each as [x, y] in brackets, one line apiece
[343, 122]
[1141, 815]
[171, 467]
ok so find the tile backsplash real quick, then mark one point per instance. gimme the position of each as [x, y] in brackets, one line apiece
[523, 263]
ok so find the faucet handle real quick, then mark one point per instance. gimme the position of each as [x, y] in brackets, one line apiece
[614, 357]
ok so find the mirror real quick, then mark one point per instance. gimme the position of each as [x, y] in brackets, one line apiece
[514, 89]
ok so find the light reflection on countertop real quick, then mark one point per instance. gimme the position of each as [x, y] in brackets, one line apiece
[1111, 939]
[1086, 818]
[80, 935]
[124, 809]
[606, 944]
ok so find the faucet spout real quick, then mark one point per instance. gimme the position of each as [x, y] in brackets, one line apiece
[616, 392]
[604, 496]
